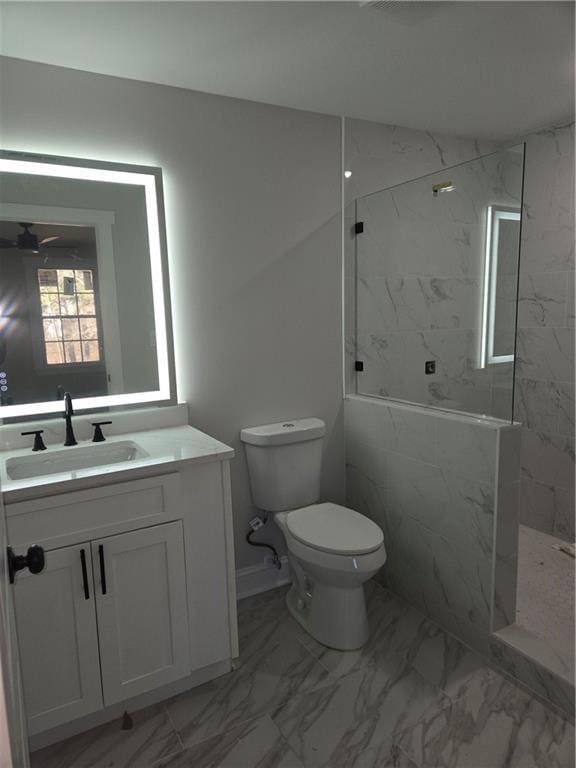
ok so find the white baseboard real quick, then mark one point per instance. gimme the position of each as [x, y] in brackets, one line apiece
[262, 577]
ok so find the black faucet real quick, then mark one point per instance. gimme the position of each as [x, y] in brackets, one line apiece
[68, 413]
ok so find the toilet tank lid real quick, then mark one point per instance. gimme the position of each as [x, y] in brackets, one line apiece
[284, 432]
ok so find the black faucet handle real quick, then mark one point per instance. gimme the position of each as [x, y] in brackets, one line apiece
[98, 435]
[38, 442]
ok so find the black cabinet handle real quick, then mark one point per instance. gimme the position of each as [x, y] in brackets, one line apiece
[102, 568]
[33, 560]
[84, 574]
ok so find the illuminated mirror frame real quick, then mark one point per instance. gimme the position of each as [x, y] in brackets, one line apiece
[494, 215]
[151, 180]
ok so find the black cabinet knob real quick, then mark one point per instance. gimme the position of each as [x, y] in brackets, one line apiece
[34, 560]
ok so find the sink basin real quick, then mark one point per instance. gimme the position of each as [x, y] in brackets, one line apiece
[73, 459]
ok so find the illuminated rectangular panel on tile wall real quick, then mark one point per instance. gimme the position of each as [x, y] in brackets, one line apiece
[494, 215]
[148, 181]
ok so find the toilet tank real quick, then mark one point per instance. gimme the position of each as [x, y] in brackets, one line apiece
[284, 463]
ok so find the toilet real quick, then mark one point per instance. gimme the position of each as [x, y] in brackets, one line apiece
[332, 550]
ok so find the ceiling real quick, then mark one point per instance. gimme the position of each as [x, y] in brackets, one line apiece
[482, 69]
[69, 235]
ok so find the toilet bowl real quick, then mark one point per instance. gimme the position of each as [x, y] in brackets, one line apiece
[332, 550]
[327, 593]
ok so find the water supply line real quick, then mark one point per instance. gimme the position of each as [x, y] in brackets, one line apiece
[255, 524]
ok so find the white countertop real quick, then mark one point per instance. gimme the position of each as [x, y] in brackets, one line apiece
[167, 449]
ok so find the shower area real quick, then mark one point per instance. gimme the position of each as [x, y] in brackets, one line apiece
[436, 287]
[459, 414]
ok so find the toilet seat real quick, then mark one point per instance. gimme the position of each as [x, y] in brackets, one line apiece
[334, 529]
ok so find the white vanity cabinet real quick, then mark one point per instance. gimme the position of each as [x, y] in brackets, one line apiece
[58, 640]
[105, 621]
[140, 595]
[136, 601]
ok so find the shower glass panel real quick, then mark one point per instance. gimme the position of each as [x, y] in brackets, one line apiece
[436, 287]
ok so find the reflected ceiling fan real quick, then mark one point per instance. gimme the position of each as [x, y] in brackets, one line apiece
[28, 241]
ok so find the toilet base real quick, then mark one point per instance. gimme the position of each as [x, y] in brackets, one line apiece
[333, 616]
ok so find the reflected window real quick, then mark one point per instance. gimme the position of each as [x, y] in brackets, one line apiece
[499, 285]
[68, 315]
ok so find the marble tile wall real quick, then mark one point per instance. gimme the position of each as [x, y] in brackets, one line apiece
[439, 486]
[414, 275]
[544, 389]
[380, 156]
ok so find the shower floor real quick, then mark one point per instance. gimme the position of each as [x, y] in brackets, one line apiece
[545, 598]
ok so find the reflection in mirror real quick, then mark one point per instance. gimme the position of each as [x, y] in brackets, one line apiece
[83, 288]
[52, 334]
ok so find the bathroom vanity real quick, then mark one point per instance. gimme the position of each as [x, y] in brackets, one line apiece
[128, 595]
[136, 600]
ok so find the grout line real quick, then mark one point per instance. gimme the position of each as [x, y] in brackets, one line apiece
[168, 756]
[173, 726]
[222, 732]
[408, 755]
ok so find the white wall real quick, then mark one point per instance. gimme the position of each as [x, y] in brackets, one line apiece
[252, 198]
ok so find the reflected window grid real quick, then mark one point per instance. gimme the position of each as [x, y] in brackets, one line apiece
[69, 319]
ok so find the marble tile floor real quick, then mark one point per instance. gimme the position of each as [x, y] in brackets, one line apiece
[413, 697]
[545, 594]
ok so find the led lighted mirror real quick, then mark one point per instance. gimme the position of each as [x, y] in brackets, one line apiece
[84, 299]
[499, 285]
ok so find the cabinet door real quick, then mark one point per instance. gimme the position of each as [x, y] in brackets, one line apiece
[57, 639]
[141, 606]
